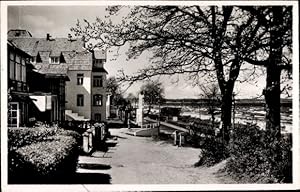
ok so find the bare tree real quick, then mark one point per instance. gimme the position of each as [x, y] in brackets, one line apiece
[211, 42]
[277, 21]
[211, 94]
[117, 98]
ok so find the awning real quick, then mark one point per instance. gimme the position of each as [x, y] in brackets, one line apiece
[43, 102]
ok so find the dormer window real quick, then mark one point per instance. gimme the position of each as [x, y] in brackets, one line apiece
[54, 60]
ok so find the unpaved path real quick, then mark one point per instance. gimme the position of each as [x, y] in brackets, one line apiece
[140, 160]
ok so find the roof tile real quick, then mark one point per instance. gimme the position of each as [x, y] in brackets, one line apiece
[76, 57]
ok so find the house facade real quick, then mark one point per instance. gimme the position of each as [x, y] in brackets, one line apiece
[47, 91]
[85, 92]
[18, 93]
[32, 96]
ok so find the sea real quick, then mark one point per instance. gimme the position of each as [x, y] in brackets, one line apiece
[243, 115]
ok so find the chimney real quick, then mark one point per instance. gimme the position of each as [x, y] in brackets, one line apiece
[48, 37]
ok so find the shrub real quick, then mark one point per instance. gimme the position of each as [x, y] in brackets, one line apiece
[202, 127]
[18, 137]
[49, 156]
[255, 157]
[212, 151]
[70, 133]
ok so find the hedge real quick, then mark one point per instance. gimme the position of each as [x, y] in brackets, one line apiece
[18, 137]
[52, 154]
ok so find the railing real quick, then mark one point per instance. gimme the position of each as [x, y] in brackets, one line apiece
[150, 125]
[179, 138]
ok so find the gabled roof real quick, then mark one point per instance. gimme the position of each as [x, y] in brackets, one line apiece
[33, 45]
[71, 51]
[55, 53]
[44, 55]
[29, 65]
[14, 46]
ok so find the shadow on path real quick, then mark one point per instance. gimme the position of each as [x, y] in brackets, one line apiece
[76, 178]
[91, 178]
[119, 137]
[94, 166]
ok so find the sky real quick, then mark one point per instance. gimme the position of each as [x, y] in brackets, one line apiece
[57, 20]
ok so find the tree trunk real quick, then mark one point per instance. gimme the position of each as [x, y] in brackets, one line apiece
[272, 98]
[226, 107]
[272, 90]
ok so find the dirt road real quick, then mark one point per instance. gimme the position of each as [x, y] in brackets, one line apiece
[140, 160]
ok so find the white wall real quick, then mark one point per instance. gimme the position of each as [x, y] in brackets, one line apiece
[72, 89]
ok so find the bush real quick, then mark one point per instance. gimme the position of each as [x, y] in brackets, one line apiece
[70, 133]
[255, 157]
[50, 156]
[203, 127]
[18, 137]
[204, 135]
[212, 151]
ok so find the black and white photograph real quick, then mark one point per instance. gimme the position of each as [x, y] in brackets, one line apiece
[149, 95]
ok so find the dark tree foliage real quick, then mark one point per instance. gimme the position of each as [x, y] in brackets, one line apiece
[132, 99]
[153, 93]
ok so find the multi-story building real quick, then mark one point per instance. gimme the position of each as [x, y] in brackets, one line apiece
[32, 95]
[18, 95]
[85, 92]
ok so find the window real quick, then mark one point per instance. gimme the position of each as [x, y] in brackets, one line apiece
[79, 79]
[54, 60]
[18, 68]
[23, 73]
[23, 70]
[97, 81]
[12, 70]
[12, 66]
[97, 100]
[97, 117]
[13, 114]
[98, 62]
[18, 58]
[80, 100]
